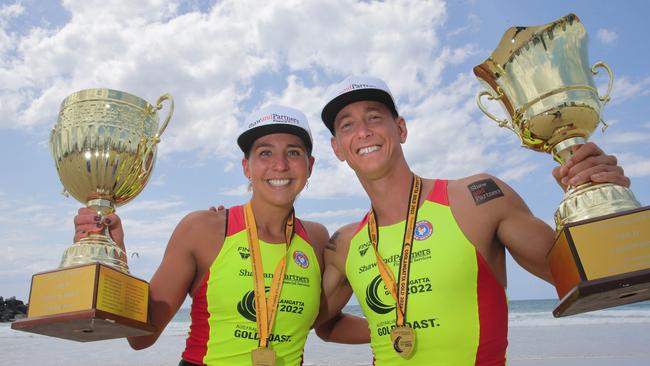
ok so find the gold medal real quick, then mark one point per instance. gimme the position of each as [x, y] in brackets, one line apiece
[403, 339]
[265, 309]
[263, 357]
[402, 336]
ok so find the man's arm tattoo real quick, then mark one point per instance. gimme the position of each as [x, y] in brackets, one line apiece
[331, 244]
[484, 190]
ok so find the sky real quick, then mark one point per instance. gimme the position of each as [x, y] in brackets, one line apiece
[222, 59]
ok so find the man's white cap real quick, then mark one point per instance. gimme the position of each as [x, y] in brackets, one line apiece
[274, 119]
[355, 89]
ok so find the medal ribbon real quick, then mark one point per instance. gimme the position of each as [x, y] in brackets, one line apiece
[399, 291]
[266, 309]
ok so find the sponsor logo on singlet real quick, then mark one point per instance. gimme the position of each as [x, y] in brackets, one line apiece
[246, 306]
[423, 230]
[372, 297]
[301, 259]
[363, 248]
[416, 256]
[250, 332]
[289, 279]
[416, 286]
[244, 252]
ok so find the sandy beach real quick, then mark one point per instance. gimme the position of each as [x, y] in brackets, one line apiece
[620, 344]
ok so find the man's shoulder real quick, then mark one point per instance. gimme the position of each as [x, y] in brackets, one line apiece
[316, 232]
[471, 179]
[339, 242]
[348, 231]
[480, 191]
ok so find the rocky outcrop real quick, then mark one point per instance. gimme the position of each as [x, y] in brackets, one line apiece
[12, 309]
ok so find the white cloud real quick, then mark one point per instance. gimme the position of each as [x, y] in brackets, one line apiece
[626, 138]
[241, 190]
[607, 36]
[635, 165]
[354, 213]
[150, 206]
[210, 62]
[625, 89]
[473, 25]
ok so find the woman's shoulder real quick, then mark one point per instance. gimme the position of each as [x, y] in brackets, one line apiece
[202, 220]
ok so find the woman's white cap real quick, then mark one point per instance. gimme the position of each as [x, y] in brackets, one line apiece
[274, 119]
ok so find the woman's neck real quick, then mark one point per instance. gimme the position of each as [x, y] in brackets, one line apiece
[270, 220]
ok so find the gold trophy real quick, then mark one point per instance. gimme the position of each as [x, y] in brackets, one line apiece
[542, 78]
[104, 147]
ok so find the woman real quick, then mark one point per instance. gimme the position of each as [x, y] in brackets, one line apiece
[227, 260]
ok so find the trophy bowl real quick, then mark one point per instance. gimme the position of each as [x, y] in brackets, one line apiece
[104, 148]
[542, 78]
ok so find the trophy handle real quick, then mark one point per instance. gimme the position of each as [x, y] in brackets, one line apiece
[594, 71]
[147, 162]
[169, 114]
[500, 122]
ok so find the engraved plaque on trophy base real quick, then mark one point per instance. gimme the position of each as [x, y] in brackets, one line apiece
[602, 262]
[87, 303]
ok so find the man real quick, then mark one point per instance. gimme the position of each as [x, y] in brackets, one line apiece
[447, 304]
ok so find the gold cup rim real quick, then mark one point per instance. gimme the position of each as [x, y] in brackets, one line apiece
[510, 43]
[107, 94]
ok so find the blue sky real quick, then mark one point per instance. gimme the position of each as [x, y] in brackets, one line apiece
[222, 59]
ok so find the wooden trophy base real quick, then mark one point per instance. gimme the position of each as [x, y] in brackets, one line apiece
[601, 263]
[87, 303]
[605, 293]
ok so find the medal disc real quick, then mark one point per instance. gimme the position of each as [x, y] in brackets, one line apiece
[263, 357]
[403, 340]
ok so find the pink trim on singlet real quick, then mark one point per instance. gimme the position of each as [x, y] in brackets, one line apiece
[197, 340]
[361, 224]
[236, 221]
[439, 192]
[493, 317]
[300, 230]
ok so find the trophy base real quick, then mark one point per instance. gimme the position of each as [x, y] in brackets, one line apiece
[84, 326]
[602, 262]
[87, 303]
[605, 293]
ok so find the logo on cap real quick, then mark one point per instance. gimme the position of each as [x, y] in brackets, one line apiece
[355, 86]
[283, 118]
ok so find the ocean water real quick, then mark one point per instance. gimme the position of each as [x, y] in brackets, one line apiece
[522, 313]
[618, 336]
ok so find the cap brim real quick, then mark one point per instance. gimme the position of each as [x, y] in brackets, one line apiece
[332, 108]
[246, 139]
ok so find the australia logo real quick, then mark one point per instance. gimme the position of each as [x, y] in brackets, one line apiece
[423, 230]
[372, 297]
[246, 307]
[301, 259]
